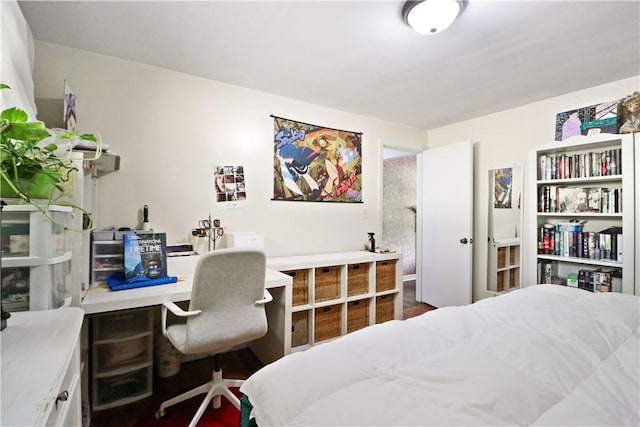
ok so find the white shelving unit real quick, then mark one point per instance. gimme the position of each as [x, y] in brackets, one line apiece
[611, 167]
[504, 256]
[338, 293]
[122, 357]
[36, 260]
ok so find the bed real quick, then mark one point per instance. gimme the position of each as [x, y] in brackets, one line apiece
[543, 355]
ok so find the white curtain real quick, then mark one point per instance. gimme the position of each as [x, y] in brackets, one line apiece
[17, 59]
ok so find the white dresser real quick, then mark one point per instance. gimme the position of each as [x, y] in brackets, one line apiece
[41, 368]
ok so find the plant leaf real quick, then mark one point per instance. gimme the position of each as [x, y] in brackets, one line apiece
[15, 115]
[89, 137]
[26, 131]
[4, 86]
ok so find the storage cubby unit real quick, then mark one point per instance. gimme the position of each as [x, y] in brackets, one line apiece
[338, 293]
[583, 233]
[504, 256]
[122, 359]
[36, 262]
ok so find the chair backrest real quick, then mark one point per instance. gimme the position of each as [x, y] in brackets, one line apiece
[226, 285]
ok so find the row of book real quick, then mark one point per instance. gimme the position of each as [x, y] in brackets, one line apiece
[560, 199]
[593, 280]
[603, 245]
[584, 165]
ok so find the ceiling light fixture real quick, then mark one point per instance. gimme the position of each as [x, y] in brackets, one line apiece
[431, 16]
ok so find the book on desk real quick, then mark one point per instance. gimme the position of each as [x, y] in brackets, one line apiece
[145, 262]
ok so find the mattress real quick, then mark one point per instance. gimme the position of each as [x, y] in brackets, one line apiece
[542, 355]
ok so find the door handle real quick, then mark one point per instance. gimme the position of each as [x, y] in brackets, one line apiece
[464, 241]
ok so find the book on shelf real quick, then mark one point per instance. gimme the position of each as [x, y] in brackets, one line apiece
[145, 256]
[580, 165]
[605, 245]
[564, 199]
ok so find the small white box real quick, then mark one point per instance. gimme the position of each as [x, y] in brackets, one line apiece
[245, 240]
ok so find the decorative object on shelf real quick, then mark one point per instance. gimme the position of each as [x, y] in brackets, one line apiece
[591, 120]
[372, 242]
[629, 114]
[146, 225]
[431, 16]
[32, 167]
[315, 163]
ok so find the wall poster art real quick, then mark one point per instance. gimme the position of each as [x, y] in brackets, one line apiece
[316, 163]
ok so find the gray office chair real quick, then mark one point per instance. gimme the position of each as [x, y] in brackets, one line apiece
[226, 309]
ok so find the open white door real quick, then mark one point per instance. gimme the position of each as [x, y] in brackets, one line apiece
[445, 225]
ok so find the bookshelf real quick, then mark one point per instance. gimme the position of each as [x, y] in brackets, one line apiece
[583, 214]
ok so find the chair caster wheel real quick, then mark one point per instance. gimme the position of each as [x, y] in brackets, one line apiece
[159, 413]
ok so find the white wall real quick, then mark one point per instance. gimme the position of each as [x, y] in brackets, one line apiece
[505, 138]
[172, 129]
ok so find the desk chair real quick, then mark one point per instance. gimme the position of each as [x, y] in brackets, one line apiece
[226, 309]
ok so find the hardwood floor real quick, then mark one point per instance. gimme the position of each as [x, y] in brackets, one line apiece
[236, 364]
[410, 307]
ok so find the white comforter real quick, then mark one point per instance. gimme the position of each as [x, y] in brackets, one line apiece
[543, 355]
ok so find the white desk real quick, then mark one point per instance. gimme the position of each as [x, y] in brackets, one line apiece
[272, 346]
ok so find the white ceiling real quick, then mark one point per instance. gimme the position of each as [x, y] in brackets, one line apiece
[359, 56]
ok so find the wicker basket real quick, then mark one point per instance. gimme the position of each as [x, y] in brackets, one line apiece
[513, 278]
[300, 286]
[299, 328]
[500, 281]
[357, 315]
[502, 257]
[327, 284]
[385, 308]
[328, 322]
[385, 275]
[358, 279]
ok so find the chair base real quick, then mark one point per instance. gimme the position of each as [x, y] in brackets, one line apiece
[215, 388]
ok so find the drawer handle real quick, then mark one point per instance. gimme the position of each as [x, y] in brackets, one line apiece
[326, 269]
[62, 397]
[326, 309]
[356, 267]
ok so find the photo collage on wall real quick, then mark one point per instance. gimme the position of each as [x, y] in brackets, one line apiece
[230, 184]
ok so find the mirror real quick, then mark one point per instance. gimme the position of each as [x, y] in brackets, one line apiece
[504, 229]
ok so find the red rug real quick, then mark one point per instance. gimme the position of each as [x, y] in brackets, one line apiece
[182, 413]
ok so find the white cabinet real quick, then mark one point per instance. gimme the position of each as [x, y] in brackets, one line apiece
[122, 358]
[36, 259]
[41, 368]
[584, 212]
[338, 293]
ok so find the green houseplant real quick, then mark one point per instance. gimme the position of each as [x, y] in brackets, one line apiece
[31, 169]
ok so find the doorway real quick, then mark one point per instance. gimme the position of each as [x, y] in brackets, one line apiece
[399, 212]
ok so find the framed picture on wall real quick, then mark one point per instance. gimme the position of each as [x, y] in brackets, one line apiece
[591, 120]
